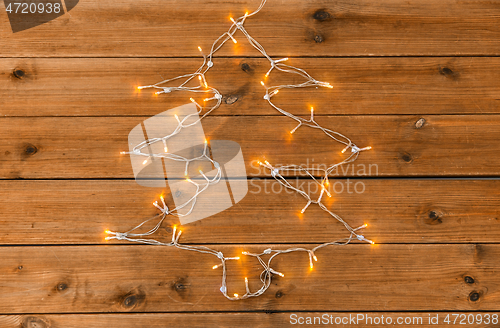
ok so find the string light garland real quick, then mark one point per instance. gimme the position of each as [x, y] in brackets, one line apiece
[275, 171]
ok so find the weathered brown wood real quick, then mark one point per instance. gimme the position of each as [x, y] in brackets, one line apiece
[147, 28]
[402, 145]
[105, 87]
[257, 320]
[150, 279]
[396, 211]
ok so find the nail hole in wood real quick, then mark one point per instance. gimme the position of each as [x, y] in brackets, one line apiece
[445, 71]
[321, 15]
[34, 322]
[19, 73]
[469, 280]
[474, 296]
[407, 157]
[246, 68]
[30, 150]
[318, 38]
[420, 123]
[130, 301]
[448, 72]
[231, 99]
[62, 286]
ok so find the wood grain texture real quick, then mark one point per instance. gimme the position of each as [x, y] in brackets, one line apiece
[36, 148]
[105, 87]
[396, 211]
[300, 28]
[162, 279]
[242, 319]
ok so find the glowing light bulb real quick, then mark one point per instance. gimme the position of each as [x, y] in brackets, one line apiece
[311, 266]
[237, 258]
[244, 253]
[165, 149]
[199, 48]
[206, 141]
[145, 161]
[123, 152]
[315, 258]
[199, 77]
[281, 274]
[246, 280]
[192, 100]
[108, 232]
[215, 267]
[236, 295]
[161, 197]
[262, 83]
[177, 118]
[365, 225]
[232, 20]
[369, 147]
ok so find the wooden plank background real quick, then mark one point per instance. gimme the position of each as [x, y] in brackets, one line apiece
[416, 80]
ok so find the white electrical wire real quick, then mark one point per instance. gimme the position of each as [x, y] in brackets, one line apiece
[203, 87]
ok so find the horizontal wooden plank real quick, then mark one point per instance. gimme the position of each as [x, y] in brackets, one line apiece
[147, 28]
[427, 145]
[94, 279]
[257, 320]
[396, 211]
[105, 87]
